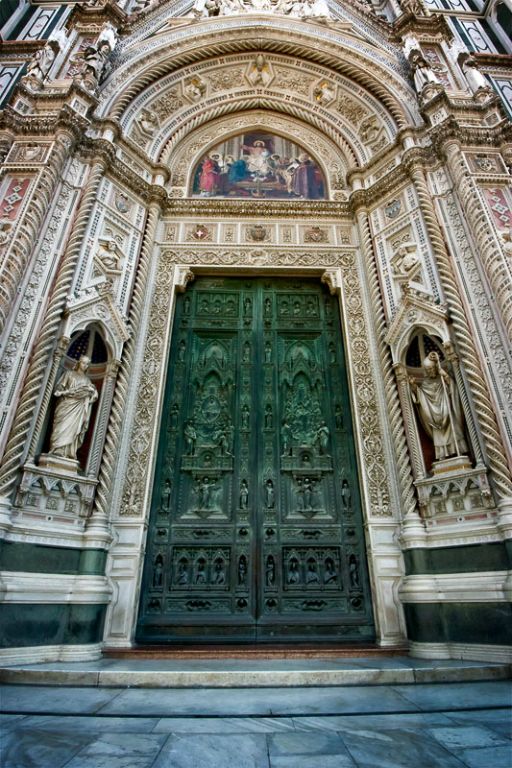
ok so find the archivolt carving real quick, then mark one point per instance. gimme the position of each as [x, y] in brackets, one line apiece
[291, 77]
[216, 38]
[143, 429]
[326, 153]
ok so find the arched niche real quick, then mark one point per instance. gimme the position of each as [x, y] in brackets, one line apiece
[88, 342]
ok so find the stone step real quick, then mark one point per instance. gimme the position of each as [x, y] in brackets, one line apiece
[253, 673]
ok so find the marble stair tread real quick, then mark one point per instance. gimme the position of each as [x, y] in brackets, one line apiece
[240, 673]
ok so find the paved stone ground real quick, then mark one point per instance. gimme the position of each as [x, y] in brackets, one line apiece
[453, 725]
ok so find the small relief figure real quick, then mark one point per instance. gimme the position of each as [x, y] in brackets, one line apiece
[299, 492]
[268, 352]
[200, 572]
[247, 306]
[270, 496]
[39, 66]
[204, 493]
[242, 571]
[330, 574]
[245, 417]
[244, 495]
[108, 256]
[166, 496]
[182, 348]
[415, 7]
[293, 576]
[353, 572]
[322, 438]
[268, 307]
[190, 438]
[175, 410]
[270, 571]
[268, 416]
[308, 493]
[158, 571]
[76, 395]
[506, 243]
[423, 73]
[259, 73]
[246, 353]
[312, 576]
[332, 353]
[219, 572]
[186, 305]
[147, 122]
[405, 263]
[223, 442]
[339, 416]
[439, 408]
[346, 495]
[182, 573]
[194, 88]
[286, 435]
[324, 93]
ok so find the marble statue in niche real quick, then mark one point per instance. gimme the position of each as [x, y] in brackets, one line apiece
[423, 74]
[474, 78]
[76, 395]
[439, 408]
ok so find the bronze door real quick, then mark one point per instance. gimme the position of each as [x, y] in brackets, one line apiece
[255, 532]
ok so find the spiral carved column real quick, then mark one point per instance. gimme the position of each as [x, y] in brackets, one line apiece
[35, 380]
[499, 272]
[16, 259]
[466, 347]
[117, 415]
[386, 366]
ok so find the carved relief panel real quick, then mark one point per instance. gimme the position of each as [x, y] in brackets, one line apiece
[256, 518]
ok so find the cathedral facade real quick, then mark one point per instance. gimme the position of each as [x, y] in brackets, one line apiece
[255, 323]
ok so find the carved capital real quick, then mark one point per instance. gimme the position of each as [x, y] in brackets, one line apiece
[332, 279]
[184, 276]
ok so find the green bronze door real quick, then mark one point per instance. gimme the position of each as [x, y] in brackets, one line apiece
[255, 532]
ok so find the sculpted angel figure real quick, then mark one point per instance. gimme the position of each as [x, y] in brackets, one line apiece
[76, 395]
[439, 408]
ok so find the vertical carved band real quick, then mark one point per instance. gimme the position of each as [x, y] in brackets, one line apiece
[117, 415]
[489, 248]
[386, 366]
[466, 347]
[16, 259]
[17, 442]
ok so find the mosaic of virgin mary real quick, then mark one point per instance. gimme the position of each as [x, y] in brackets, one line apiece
[258, 165]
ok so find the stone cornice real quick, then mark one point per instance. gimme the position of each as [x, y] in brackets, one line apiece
[19, 47]
[261, 209]
[424, 28]
[82, 15]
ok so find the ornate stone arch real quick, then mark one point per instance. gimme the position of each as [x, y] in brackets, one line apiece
[183, 158]
[151, 61]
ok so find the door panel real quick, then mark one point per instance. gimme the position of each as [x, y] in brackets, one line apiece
[255, 531]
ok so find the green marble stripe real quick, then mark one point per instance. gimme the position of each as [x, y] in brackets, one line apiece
[468, 559]
[39, 558]
[485, 623]
[23, 624]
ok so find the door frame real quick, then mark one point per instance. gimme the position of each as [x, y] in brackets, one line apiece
[171, 270]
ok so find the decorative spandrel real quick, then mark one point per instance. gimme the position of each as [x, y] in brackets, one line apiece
[256, 519]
